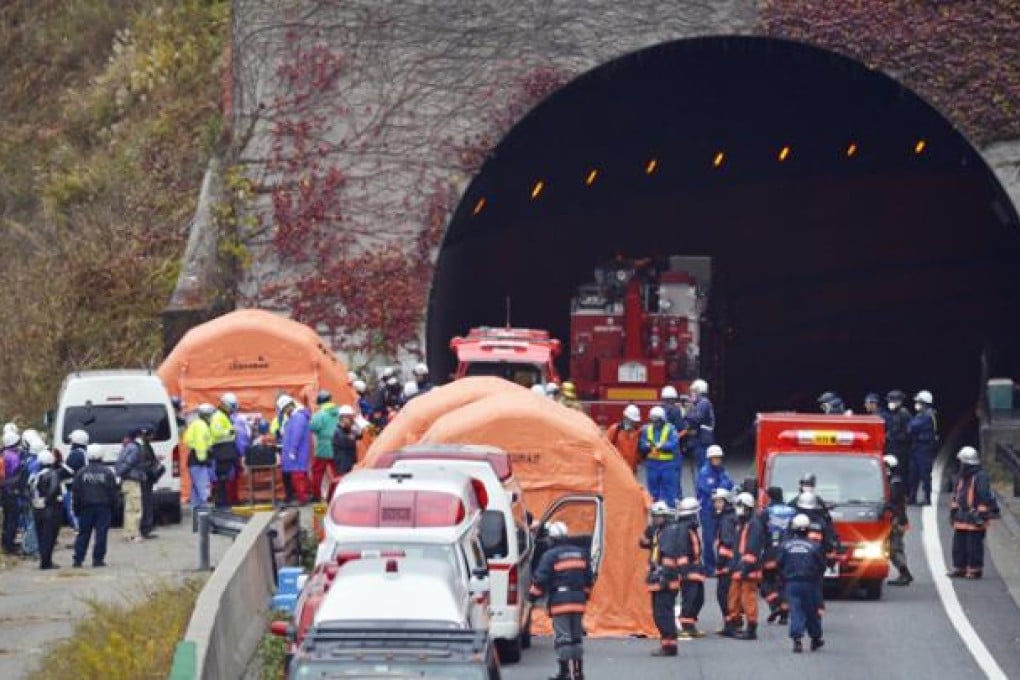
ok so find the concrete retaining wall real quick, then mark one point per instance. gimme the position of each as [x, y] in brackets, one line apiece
[230, 616]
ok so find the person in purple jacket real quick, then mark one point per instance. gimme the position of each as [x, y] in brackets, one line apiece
[10, 491]
[295, 449]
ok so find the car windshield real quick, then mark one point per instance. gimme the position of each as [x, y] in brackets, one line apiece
[839, 479]
[525, 375]
[391, 670]
[110, 423]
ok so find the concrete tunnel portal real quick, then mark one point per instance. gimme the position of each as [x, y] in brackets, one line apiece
[859, 242]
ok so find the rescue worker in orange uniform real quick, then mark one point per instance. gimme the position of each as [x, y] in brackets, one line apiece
[746, 569]
[973, 506]
[690, 568]
[625, 433]
[661, 539]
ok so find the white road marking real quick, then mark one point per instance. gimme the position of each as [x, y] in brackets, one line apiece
[950, 602]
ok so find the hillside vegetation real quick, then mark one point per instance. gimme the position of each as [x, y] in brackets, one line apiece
[109, 111]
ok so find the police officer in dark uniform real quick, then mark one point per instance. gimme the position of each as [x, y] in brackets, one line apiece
[47, 506]
[94, 491]
[802, 565]
[723, 541]
[661, 540]
[776, 516]
[924, 444]
[897, 507]
[564, 576]
[972, 508]
[897, 434]
[690, 568]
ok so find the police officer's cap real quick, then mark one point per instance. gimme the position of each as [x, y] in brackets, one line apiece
[872, 398]
[896, 395]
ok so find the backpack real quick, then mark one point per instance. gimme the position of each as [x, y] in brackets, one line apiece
[37, 495]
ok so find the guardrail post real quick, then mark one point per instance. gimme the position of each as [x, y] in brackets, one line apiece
[202, 518]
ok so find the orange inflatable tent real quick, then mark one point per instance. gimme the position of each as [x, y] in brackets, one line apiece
[555, 451]
[256, 355]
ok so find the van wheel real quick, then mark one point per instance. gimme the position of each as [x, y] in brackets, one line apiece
[872, 589]
[509, 650]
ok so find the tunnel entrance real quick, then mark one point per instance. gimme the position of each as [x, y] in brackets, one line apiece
[877, 251]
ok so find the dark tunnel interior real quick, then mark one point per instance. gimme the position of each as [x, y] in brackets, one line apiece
[878, 251]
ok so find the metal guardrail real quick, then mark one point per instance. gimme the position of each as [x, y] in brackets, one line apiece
[1008, 458]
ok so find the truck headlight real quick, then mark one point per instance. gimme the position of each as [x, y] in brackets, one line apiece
[870, 550]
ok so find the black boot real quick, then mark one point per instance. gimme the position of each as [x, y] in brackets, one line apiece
[817, 643]
[665, 650]
[578, 669]
[904, 578]
[751, 633]
[798, 646]
[564, 673]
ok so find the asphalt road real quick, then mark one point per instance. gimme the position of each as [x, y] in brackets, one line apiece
[906, 634]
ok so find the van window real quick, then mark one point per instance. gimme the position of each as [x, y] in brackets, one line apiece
[110, 423]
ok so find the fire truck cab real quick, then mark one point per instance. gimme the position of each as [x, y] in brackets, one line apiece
[845, 455]
[521, 355]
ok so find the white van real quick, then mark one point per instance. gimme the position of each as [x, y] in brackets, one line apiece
[109, 404]
[505, 529]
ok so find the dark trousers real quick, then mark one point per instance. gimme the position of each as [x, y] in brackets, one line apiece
[664, 613]
[804, 603]
[11, 512]
[568, 636]
[722, 594]
[707, 518]
[920, 476]
[148, 510]
[772, 590]
[47, 526]
[969, 551]
[222, 469]
[92, 518]
[897, 546]
[692, 599]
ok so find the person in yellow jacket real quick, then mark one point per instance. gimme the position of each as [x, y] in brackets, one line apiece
[223, 451]
[199, 440]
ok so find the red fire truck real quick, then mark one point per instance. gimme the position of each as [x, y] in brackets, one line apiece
[636, 329]
[522, 355]
[845, 455]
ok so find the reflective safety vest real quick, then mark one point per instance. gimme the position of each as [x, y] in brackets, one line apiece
[221, 428]
[656, 453]
[198, 438]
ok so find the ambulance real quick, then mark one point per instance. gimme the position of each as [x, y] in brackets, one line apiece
[845, 455]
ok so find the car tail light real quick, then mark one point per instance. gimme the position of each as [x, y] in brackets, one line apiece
[357, 509]
[391, 566]
[513, 589]
[480, 491]
[175, 462]
[435, 509]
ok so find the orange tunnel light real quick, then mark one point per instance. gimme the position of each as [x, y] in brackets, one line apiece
[784, 153]
[719, 159]
[536, 190]
[651, 166]
[479, 206]
[593, 175]
[851, 150]
[920, 146]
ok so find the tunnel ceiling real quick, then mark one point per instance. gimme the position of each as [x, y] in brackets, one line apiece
[877, 251]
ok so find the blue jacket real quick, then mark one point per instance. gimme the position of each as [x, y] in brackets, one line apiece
[709, 479]
[129, 462]
[296, 441]
[924, 435]
[242, 434]
[801, 560]
[564, 574]
[669, 444]
[76, 458]
[701, 416]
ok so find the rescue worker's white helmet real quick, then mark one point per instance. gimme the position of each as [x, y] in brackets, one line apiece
[421, 370]
[660, 509]
[345, 410]
[94, 452]
[657, 413]
[209, 409]
[669, 392]
[807, 501]
[359, 386]
[745, 499]
[281, 403]
[551, 388]
[388, 372]
[538, 389]
[556, 530]
[800, 522]
[11, 427]
[410, 389]
[352, 377]
[11, 439]
[690, 506]
[79, 437]
[229, 399]
[632, 413]
[968, 455]
[699, 386]
[891, 461]
[29, 436]
[924, 397]
[722, 493]
[714, 451]
[46, 457]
